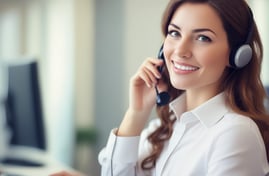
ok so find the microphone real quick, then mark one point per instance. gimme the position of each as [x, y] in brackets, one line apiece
[163, 97]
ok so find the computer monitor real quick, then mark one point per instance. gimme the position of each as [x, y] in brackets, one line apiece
[24, 105]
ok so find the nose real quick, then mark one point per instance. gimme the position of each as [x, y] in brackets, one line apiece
[183, 48]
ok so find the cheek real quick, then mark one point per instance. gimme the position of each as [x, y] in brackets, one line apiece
[215, 58]
[168, 50]
[214, 65]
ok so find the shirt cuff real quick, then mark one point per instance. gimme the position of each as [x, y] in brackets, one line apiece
[122, 149]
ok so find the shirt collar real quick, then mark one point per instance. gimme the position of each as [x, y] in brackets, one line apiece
[209, 113]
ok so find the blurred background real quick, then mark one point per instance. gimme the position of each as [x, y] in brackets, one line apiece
[86, 51]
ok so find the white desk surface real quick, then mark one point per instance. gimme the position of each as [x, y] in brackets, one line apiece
[50, 164]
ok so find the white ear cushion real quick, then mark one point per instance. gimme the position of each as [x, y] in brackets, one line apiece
[243, 56]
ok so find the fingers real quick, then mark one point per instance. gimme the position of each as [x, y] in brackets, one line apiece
[142, 96]
[148, 71]
[152, 64]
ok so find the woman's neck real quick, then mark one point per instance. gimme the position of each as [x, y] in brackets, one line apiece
[195, 98]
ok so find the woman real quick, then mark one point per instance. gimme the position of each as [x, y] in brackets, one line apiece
[216, 122]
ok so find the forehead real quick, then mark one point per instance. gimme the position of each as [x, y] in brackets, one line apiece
[193, 15]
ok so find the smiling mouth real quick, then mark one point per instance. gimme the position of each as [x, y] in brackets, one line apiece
[185, 67]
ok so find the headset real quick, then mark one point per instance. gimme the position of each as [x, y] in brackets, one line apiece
[241, 56]
[163, 97]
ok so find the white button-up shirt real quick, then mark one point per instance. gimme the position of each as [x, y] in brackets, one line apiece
[210, 140]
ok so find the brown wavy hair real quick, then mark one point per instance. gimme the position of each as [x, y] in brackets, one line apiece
[243, 87]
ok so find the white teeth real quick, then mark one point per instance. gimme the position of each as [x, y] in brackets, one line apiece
[184, 67]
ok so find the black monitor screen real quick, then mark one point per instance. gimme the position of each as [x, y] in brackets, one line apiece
[24, 107]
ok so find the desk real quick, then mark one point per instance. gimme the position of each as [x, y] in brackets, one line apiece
[50, 165]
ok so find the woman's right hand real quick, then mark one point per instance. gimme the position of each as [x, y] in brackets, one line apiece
[142, 97]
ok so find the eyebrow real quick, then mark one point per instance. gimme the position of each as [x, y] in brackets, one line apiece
[195, 30]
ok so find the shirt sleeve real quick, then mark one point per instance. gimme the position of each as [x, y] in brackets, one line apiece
[122, 156]
[238, 151]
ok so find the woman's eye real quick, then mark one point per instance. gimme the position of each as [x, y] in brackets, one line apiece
[204, 38]
[173, 33]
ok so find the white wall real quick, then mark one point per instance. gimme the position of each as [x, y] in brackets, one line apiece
[84, 47]
[9, 34]
[142, 33]
[260, 8]
[59, 78]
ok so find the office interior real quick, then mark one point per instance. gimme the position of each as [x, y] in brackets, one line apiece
[87, 50]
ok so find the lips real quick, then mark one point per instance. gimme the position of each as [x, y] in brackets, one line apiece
[184, 67]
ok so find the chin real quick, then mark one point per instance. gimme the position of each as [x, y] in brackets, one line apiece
[178, 85]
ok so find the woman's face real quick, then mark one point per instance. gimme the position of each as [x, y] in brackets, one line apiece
[196, 48]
